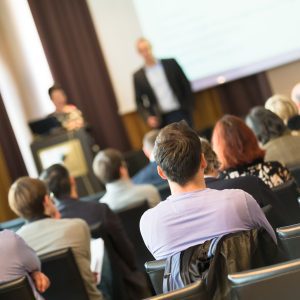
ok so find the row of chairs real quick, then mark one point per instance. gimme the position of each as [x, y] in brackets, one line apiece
[276, 282]
[272, 282]
[66, 281]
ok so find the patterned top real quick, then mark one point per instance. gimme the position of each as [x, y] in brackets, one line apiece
[272, 173]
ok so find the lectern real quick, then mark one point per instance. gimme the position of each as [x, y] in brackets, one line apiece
[73, 150]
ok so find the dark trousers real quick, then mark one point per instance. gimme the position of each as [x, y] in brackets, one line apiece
[176, 116]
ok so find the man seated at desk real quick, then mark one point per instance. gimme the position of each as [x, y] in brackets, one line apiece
[68, 115]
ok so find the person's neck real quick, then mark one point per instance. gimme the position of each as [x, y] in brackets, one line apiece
[196, 184]
[151, 61]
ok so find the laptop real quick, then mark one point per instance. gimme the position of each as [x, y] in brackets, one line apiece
[45, 126]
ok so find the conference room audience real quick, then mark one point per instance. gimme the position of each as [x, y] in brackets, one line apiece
[285, 109]
[239, 153]
[149, 173]
[17, 259]
[68, 115]
[276, 139]
[110, 168]
[64, 189]
[163, 93]
[193, 213]
[278, 214]
[44, 232]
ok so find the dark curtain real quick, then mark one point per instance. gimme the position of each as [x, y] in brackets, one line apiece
[77, 63]
[10, 147]
[239, 96]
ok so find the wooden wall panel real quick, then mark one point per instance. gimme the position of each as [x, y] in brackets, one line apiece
[207, 111]
[5, 182]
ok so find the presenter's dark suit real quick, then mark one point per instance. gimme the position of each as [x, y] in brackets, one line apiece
[145, 97]
[112, 228]
[279, 216]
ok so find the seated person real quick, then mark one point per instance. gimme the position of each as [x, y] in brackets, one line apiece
[149, 173]
[239, 153]
[18, 260]
[286, 110]
[110, 168]
[68, 115]
[45, 232]
[279, 216]
[193, 213]
[276, 139]
[63, 187]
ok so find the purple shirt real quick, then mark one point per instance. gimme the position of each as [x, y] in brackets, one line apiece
[17, 259]
[191, 218]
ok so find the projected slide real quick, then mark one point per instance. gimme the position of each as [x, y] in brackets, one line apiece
[216, 41]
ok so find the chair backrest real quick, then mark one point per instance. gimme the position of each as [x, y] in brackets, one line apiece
[289, 238]
[13, 225]
[93, 197]
[155, 269]
[276, 282]
[131, 222]
[164, 191]
[288, 194]
[16, 289]
[295, 170]
[135, 161]
[194, 291]
[66, 281]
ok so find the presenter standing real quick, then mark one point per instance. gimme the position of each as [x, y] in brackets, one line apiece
[163, 93]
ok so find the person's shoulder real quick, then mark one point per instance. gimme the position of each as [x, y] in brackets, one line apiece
[147, 188]
[138, 72]
[168, 60]
[71, 224]
[8, 237]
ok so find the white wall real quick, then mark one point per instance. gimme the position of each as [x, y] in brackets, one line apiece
[25, 75]
[283, 79]
[118, 29]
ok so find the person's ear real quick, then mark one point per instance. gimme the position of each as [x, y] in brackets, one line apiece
[203, 163]
[161, 173]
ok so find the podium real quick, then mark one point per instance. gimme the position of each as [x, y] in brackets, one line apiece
[73, 150]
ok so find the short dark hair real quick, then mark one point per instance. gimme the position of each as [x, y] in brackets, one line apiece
[178, 152]
[106, 165]
[265, 124]
[53, 88]
[26, 197]
[57, 178]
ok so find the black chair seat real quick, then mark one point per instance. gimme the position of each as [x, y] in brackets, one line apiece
[155, 269]
[66, 282]
[288, 194]
[131, 221]
[295, 170]
[16, 289]
[194, 291]
[289, 240]
[276, 282]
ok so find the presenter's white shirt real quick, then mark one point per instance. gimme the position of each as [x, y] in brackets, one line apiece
[167, 101]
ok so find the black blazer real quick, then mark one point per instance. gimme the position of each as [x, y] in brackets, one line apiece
[259, 191]
[146, 100]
